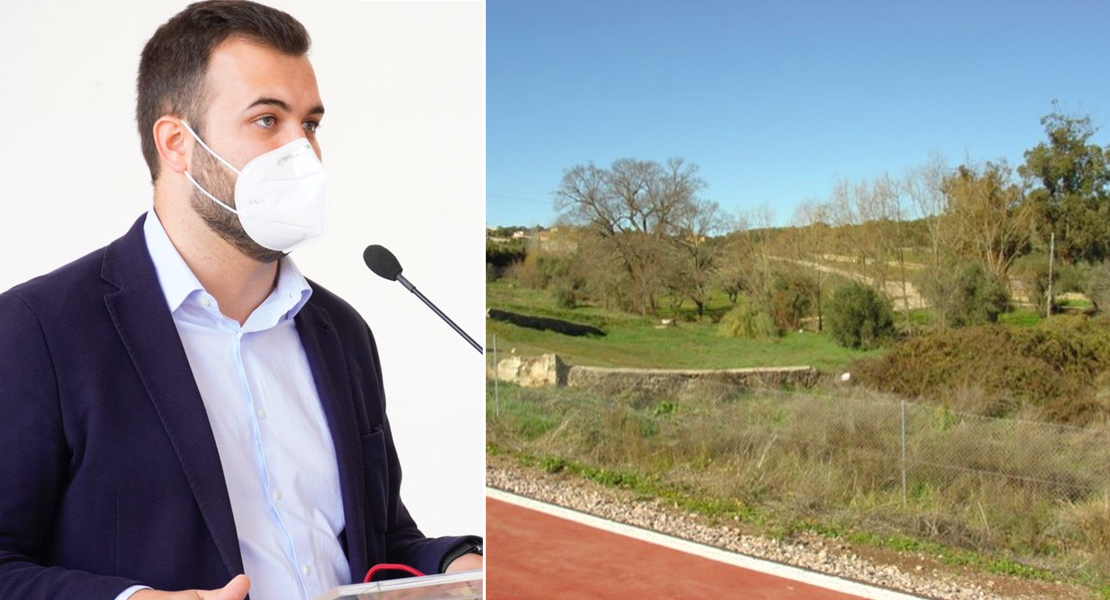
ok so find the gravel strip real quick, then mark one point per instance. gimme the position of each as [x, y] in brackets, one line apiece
[809, 551]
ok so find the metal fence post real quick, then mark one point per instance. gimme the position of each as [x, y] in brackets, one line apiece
[496, 394]
[903, 452]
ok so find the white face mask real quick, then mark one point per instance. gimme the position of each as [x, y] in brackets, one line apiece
[281, 196]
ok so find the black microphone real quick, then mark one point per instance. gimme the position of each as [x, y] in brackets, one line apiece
[382, 262]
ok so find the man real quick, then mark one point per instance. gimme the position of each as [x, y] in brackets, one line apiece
[182, 407]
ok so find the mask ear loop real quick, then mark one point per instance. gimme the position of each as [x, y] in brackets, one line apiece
[210, 196]
[210, 151]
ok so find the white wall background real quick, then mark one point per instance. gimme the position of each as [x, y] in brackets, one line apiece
[404, 144]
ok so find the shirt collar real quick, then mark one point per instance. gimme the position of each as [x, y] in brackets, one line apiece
[174, 275]
[291, 292]
[179, 283]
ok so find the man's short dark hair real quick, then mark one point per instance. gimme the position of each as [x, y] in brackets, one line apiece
[175, 60]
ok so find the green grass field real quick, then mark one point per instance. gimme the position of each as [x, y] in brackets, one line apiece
[1022, 317]
[634, 341]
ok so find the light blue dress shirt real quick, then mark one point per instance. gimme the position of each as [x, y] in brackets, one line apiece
[275, 447]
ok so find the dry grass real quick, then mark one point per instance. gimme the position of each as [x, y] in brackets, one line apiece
[1031, 492]
[1089, 522]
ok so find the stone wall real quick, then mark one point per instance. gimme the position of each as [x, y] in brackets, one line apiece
[680, 380]
[533, 371]
[549, 369]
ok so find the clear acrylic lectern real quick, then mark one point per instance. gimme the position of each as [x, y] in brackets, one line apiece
[465, 585]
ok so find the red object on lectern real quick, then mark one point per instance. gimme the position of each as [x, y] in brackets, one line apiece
[390, 567]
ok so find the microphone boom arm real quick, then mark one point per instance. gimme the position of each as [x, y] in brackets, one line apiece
[412, 288]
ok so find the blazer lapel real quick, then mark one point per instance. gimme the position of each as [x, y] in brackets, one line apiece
[144, 323]
[329, 370]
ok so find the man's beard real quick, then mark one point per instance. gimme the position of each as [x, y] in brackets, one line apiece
[215, 178]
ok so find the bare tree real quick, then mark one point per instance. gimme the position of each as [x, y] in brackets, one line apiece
[892, 201]
[736, 270]
[697, 252]
[844, 213]
[812, 218]
[746, 261]
[869, 218]
[924, 185]
[634, 208]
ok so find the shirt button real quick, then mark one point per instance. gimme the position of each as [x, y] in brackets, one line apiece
[204, 301]
[307, 570]
[261, 414]
[277, 494]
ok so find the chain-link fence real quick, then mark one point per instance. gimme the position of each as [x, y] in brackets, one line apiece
[1033, 491]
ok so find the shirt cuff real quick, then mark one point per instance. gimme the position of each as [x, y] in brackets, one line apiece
[125, 594]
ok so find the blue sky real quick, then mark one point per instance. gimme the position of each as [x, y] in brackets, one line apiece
[776, 101]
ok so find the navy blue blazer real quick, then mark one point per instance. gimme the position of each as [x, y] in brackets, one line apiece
[109, 473]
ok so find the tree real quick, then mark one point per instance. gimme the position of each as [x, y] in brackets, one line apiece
[746, 260]
[793, 291]
[1097, 286]
[1070, 178]
[924, 185]
[696, 252]
[634, 209]
[812, 219]
[860, 316]
[868, 215]
[889, 199]
[871, 229]
[740, 264]
[844, 214]
[987, 215]
[966, 294]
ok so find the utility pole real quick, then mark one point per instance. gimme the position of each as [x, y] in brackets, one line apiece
[1051, 258]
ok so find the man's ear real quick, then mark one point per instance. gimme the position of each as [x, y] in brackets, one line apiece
[170, 139]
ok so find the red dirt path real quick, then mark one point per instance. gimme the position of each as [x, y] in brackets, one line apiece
[535, 556]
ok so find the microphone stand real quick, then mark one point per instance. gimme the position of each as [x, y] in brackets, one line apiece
[412, 288]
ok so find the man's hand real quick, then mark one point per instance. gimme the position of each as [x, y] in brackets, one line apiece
[466, 562]
[236, 589]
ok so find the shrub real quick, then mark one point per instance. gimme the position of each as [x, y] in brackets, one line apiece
[1089, 279]
[967, 294]
[501, 256]
[1097, 287]
[1038, 292]
[1054, 371]
[858, 316]
[747, 321]
[545, 271]
[792, 298]
[1071, 277]
[566, 294]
